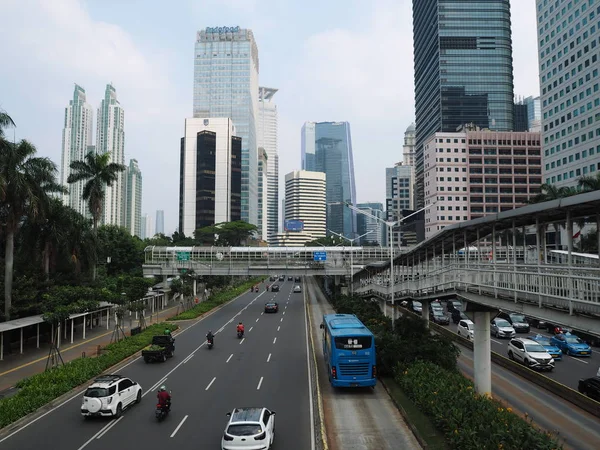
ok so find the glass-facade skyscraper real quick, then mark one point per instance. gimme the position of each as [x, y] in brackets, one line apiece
[463, 69]
[327, 147]
[226, 85]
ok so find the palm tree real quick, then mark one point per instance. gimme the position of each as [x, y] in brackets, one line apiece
[5, 122]
[98, 172]
[551, 192]
[589, 183]
[26, 183]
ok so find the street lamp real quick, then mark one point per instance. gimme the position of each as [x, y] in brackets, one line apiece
[351, 255]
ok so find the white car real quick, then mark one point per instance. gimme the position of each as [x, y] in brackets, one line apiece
[466, 329]
[109, 395]
[297, 289]
[249, 428]
[530, 353]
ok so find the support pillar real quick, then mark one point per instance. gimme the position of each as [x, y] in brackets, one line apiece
[514, 245]
[598, 235]
[482, 356]
[1, 345]
[91, 320]
[195, 289]
[58, 334]
[73, 328]
[425, 312]
[21, 341]
[570, 260]
[38, 336]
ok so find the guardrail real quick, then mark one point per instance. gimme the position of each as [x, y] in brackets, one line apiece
[565, 392]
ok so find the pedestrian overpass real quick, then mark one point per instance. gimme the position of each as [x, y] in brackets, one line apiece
[501, 261]
[254, 261]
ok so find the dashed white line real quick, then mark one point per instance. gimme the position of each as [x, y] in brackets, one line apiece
[269, 358]
[230, 356]
[100, 433]
[250, 329]
[284, 313]
[259, 383]
[179, 426]
[281, 319]
[274, 340]
[258, 318]
[278, 328]
[497, 342]
[188, 358]
[107, 429]
[243, 339]
[580, 360]
[210, 384]
[261, 315]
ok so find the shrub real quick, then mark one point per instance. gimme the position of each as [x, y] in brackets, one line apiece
[468, 421]
[217, 299]
[40, 389]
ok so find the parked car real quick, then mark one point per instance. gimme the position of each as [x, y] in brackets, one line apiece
[251, 428]
[571, 344]
[275, 288]
[501, 328]
[545, 342]
[530, 353]
[590, 387]
[437, 316]
[109, 395]
[517, 320]
[466, 329]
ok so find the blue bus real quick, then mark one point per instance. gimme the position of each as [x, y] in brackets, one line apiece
[349, 350]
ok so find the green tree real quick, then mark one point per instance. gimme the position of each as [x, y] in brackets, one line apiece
[98, 172]
[26, 182]
[126, 252]
[228, 234]
[589, 183]
[550, 192]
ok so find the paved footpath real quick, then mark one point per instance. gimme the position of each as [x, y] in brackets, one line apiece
[17, 366]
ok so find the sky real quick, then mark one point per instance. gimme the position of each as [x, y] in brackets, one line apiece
[334, 60]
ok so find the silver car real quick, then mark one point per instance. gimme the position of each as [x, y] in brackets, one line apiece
[501, 328]
[297, 289]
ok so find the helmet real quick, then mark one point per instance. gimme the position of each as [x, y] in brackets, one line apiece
[240, 323]
[163, 388]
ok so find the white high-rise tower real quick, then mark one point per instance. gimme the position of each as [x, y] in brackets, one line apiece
[110, 138]
[76, 143]
[267, 139]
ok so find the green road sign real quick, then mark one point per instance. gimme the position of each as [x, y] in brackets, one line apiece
[183, 256]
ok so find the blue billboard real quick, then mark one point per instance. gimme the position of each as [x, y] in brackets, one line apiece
[294, 225]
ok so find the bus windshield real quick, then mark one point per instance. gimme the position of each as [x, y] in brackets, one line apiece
[353, 343]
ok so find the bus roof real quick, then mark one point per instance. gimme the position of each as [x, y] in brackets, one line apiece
[346, 325]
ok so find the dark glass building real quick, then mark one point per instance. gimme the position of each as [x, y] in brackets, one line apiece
[521, 121]
[327, 147]
[463, 69]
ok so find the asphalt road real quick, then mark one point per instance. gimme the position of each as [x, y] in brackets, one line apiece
[267, 368]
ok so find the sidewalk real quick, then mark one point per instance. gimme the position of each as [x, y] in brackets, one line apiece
[17, 366]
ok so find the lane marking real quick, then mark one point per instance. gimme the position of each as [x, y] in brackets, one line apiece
[243, 339]
[281, 319]
[261, 315]
[497, 342]
[109, 427]
[155, 386]
[284, 313]
[230, 356]
[259, 383]
[250, 329]
[258, 318]
[179, 426]
[278, 328]
[96, 435]
[188, 358]
[269, 358]
[274, 340]
[579, 360]
[310, 390]
[210, 384]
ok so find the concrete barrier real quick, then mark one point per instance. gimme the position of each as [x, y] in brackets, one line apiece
[565, 392]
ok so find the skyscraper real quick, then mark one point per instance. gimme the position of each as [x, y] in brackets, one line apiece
[226, 85]
[267, 139]
[375, 228]
[211, 174]
[263, 192]
[463, 69]
[110, 138]
[399, 193]
[133, 199]
[327, 147]
[76, 143]
[534, 113]
[160, 222]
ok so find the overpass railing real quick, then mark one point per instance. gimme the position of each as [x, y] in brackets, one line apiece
[573, 289]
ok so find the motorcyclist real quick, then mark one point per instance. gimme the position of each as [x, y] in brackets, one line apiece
[210, 336]
[164, 398]
[168, 332]
[240, 328]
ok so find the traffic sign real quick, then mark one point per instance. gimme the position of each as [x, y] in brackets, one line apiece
[183, 256]
[320, 256]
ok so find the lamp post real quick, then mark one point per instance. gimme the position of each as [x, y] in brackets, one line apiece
[351, 255]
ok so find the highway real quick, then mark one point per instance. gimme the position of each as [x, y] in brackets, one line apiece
[269, 367]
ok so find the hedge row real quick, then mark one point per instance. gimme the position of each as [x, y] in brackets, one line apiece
[40, 389]
[469, 421]
[217, 300]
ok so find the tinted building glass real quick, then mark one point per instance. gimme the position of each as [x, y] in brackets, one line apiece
[236, 178]
[205, 178]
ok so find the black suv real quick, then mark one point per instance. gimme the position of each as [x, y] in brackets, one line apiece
[275, 288]
[297, 279]
[282, 278]
[517, 320]
[590, 387]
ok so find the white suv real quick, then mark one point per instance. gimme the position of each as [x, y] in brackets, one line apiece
[530, 353]
[466, 329]
[109, 395]
[251, 428]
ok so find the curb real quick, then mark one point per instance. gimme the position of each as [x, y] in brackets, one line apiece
[414, 430]
[68, 396]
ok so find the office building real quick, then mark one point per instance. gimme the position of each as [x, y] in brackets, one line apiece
[568, 43]
[133, 199]
[210, 174]
[408, 149]
[474, 173]
[263, 193]
[520, 117]
[327, 148]
[110, 138]
[76, 143]
[226, 85]
[160, 222]
[267, 139]
[143, 219]
[147, 227]
[399, 195]
[534, 113]
[305, 196]
[374, 228]
[463, 70]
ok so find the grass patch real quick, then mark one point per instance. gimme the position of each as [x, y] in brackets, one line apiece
[217, 300]
[40, 389]
[424, 428]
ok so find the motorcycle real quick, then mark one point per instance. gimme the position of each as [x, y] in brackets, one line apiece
[162, 411]
[209, 343]
[240, 334]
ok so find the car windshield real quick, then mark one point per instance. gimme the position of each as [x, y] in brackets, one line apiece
[417, 304]
[543, 340]
[502, 323]
[436, 306]
[244, 429]
[437, 312]
[519, 318]
[535, 348]
[573, 340]
[470, 326]
[271, 304]
[96, 392]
